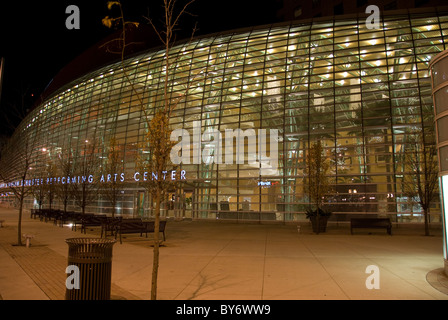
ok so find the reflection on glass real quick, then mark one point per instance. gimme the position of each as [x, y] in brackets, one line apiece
[362, 93]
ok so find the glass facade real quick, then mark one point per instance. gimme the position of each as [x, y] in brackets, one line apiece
[363, 93]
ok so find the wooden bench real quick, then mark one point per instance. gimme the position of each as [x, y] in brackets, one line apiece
[48, 214]
[150, 227]
[33, 213]
[92, 221]
[37, 213]
[109, 224]
[130, 226]
[371, 223]
[78, 218]
[67, 217]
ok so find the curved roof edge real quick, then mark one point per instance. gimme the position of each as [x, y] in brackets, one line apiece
[103, 53]
[98, 56]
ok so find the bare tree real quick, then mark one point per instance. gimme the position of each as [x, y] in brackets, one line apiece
[317, 182]
[38, 189]
[50, 188]
[158, 134]
[111, 181]
[41, 189]
[422, 180]
[159, 130]
[18, 153]
[16, 161]
[63, 191]
[85, 188]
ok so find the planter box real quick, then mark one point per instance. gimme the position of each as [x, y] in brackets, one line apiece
[322, 224]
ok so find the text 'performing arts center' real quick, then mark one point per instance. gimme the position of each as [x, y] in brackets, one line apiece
[251, 104]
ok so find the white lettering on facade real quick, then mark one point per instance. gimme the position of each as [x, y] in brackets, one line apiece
[172, 175]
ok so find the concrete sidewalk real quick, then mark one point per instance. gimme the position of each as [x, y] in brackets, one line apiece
[203, 260]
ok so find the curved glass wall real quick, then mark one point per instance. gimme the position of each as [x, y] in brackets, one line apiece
[365, 94]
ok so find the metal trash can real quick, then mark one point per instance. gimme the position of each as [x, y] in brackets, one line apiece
[93, 259]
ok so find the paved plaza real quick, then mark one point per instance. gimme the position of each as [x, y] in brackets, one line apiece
[210, 260]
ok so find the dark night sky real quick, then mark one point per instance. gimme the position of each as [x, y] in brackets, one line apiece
[36, 44]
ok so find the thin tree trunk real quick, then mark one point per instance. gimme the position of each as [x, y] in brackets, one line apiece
[19, 226]
[155, 265]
